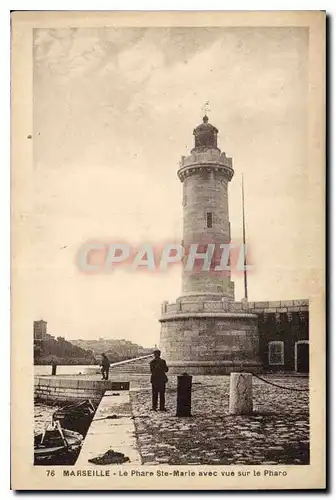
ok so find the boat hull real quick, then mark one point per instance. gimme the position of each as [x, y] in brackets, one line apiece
[54, 450]
[76, 417]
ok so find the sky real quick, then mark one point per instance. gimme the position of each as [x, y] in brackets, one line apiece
[114, 110]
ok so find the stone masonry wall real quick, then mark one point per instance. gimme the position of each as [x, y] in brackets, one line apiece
[285, 321]
[184, 305]
[280, 306]
[63, 390]
[210, 339]
[197, 330]
[206, 191]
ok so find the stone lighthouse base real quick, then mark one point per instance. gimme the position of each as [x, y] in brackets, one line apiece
[208, 343]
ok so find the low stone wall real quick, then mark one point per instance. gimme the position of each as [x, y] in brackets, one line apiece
[207, 157]
[64, 390]
[279, 306]
[190, 305]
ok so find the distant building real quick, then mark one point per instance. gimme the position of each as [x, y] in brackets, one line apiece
[40, 335]
[40, 330]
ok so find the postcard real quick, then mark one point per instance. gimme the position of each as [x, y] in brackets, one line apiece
[168, 251]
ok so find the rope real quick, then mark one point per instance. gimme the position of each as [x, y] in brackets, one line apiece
[107, 418]
[280, 386]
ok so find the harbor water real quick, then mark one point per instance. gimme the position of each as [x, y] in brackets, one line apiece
[42, 416]
[67, 369]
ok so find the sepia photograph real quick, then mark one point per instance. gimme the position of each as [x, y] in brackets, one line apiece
[168, 250]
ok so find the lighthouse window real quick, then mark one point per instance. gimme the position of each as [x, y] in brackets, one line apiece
[209, 219]
[276, 352]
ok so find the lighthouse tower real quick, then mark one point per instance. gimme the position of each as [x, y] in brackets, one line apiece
[205, 331]
[205, 176]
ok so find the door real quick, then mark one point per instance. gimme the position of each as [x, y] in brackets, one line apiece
[302, 364]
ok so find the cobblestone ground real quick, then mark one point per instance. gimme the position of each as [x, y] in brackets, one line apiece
[276, 433]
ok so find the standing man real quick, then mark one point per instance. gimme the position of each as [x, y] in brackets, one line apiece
[158, 368]
[105, 364]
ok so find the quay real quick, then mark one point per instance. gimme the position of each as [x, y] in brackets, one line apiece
[277, 432]
[117, 433]
[66, 388]
[73, 389]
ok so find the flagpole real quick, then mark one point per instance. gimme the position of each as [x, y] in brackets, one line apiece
[244, 241]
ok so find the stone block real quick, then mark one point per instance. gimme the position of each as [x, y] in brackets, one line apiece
[223, 348]
[171, 308]
[164, 307]
[237, 332]
[57, 382]
[191, 307]
[199, 348]
[241, 399]
[213, 306]
[261, 305]
[236, 306]
[70, 383]
[275, 303]
[287, 303]
[301, 303]
[258, 310]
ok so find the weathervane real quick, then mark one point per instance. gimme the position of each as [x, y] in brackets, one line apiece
[206, 107]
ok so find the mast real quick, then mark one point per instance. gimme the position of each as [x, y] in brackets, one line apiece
[244, 241]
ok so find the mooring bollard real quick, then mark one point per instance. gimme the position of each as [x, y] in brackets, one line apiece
[53, 369]
[241, 399]
[184, 383]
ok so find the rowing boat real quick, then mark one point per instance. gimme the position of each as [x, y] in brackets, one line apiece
[75, 417]
[56, 446]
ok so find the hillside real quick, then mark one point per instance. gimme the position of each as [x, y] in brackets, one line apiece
[116, 349]
[62, 352]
